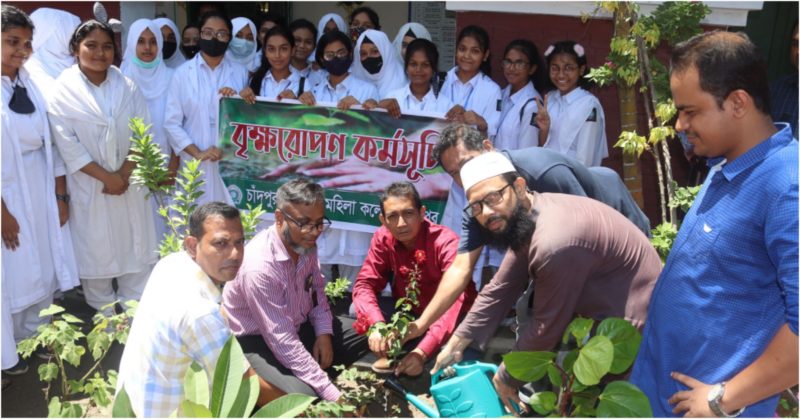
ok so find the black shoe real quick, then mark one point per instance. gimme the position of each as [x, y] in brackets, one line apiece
[43, 353]
[19, 369]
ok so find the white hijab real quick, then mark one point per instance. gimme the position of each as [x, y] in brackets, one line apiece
[252, 61]
[153, 82]
[51, 41]
[177, 58]
[419, 31]
[392, 76]
[327, 18]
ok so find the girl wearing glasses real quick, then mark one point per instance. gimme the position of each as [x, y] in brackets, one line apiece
[242, 49]
[523, 70]
[572, 121]
[193, 103]
[377, 62]
[112, 221]
[335, 55]
[273, 79]
[469, 83]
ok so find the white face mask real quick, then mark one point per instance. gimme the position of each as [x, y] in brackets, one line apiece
[241, 47]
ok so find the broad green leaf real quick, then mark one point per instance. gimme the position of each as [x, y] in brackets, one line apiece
[48, 372]
[319, 120]
[191, 409]
[554, 374]
[122, 405]
[626, 340]
[543, 402]
[569, 361]
[287, 406]
[52, 310]
[528, 366]
[54, 407]
[227, 378]
[579, 328]
[594, 360]
[623, 399]
[72, 353]
[584, 402]
[71, 410]
[98, 341]
[69, 318]
[246, 399]
[195, 384]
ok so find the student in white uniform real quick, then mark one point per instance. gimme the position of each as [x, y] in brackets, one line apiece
[51, 53]
[193, 103]
[407, 33]
[335, 54]
[305, 41]
[169, 52]
[419, 94]
[274, 80]
[37, 253]
[341, 89]
[376, 61]
[329, 22]
[469, 83]
[524, 72]
[242, 49]
[142, 62]
[112, 223]
[574, 123]
[189, 41]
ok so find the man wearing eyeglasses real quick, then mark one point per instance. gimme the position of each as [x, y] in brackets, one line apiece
[584, 258]
[277, 307]
[393, 252]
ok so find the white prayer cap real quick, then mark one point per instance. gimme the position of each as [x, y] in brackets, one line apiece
[485, 166]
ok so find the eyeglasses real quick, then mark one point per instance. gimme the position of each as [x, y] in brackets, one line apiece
[491, 199]
[516, 65]
[306, 228]
[222, 36]
[330, 55]
[569, 68]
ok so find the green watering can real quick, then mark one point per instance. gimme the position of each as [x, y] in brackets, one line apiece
[460, 391]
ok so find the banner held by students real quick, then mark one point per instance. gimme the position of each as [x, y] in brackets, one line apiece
[355, 154]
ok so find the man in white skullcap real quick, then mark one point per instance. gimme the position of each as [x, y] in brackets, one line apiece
[586, 260]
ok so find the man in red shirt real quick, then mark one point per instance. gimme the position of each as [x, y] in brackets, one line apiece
[404, 231]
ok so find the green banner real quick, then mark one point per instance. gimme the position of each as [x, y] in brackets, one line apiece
[354, 154]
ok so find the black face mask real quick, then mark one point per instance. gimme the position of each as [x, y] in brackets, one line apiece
[372, 64]
[338, 66]
[213, 47]
[168, 49]
[190, 50]
[20, 102]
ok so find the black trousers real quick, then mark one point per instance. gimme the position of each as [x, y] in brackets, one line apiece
[348, 347]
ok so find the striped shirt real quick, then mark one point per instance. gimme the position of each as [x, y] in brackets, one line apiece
[272, 297]
[178, 322]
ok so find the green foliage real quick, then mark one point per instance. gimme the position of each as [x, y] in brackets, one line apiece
[250, 220]
[151, 168]
[684, 197]
[359, 388]
[679, 20]
[578, 378]
[662, 238]
[631, 143]
[328, 409]
[64, 338]
[337, 289]
[232, 395]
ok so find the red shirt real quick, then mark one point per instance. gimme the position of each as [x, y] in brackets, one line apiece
[386, 255]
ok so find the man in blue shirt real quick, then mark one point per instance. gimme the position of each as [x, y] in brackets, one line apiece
[721, 333]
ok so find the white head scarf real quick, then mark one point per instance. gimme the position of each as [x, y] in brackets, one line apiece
[419, 32]
[51, 40]
[252, 60]
[391, 76]
[327, 18]
[153, 82]
[177, 58]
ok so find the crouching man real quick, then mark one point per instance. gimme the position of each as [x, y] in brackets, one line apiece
[178, 320]
[584, 258]
[406, 237]
[277, 306]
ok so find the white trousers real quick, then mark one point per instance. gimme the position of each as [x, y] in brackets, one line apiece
[9, 346]
[100, 292]
[27, 321]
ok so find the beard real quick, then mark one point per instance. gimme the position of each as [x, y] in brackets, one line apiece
[518, 231]
[296, 247]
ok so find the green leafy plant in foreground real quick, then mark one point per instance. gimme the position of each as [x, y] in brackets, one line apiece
[231, 394]
[66, 341]
[578, 380]
[337, 289]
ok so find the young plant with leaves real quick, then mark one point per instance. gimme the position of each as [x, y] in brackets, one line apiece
[337, 289]
[64, 338]
[581, 385]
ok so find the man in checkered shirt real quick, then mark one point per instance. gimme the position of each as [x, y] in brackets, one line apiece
[178, 320]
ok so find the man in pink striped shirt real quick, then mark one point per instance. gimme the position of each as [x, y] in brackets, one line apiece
[277, 307]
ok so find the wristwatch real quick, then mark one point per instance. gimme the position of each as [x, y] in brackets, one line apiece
[64, 198]
[715, 396]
